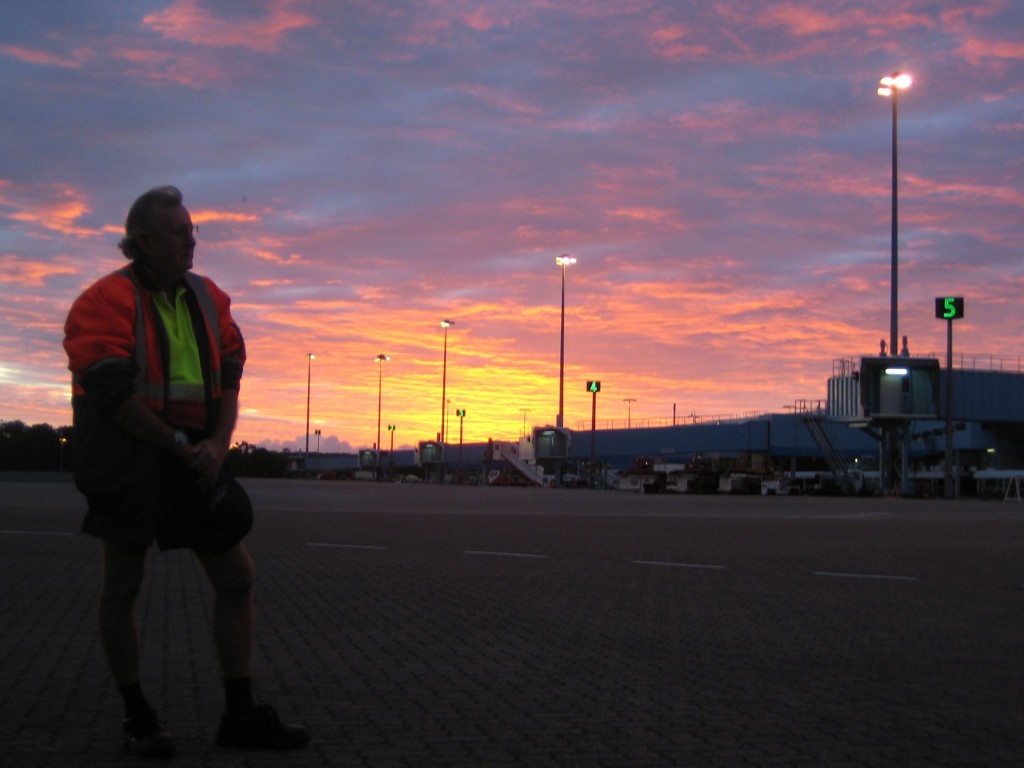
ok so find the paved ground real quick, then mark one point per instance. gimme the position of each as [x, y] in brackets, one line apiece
[438, 626]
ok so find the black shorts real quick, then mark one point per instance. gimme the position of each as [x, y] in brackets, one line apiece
[175, 511]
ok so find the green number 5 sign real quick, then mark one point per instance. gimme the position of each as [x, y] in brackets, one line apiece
[949, 307]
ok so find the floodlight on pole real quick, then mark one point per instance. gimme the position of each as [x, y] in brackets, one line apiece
[890, 86]
[444, 375]
[562, 261]
[629, 411]
[309, 382]
[380, 359]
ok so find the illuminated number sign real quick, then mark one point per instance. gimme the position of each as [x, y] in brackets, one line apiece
[460, 412]
[593, 386]
[949, 307]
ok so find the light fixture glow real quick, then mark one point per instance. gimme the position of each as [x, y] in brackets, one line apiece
[897, 80]
[896, 371]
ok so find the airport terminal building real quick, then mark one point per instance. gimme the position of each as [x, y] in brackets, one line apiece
[960, 426]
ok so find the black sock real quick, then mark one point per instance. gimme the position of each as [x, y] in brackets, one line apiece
[135, 704]
[239, 700]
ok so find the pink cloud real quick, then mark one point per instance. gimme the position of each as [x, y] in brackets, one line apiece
[670, 43]
[187, 21]
[978, 50]
[77, 58]
[495, 98]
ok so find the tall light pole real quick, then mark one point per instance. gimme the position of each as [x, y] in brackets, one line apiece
[893, 435]
[524, 412]
[444, 374]
[629, 411]
[381, 359]
[309, 381]
[890, 86]
[563, 261]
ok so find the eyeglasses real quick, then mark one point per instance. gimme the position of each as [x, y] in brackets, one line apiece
[182, 233]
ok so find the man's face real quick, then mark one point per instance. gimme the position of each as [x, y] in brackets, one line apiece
[168, 248]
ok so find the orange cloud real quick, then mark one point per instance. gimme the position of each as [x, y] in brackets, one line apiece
[34, 274]
[49, 207]
[212, 215]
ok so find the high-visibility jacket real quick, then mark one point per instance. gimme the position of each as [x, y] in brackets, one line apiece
[113, 328]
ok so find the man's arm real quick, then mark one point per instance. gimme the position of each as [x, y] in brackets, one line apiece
[138, 420]
[205, 457]
[209, 455]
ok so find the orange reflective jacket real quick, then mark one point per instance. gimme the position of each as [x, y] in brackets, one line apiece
[114, 323]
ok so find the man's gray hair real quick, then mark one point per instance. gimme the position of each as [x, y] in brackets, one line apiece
[142, 216]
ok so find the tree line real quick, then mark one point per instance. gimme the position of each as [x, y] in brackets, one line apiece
[43, 448]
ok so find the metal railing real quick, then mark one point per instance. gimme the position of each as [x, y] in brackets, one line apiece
[637, 422]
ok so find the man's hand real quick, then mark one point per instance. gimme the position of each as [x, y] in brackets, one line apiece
[206, 458]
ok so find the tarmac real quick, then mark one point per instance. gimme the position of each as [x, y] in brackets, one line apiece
[426, 625]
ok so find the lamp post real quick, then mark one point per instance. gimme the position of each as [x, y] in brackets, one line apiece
[629, 411]
[444, 375]
[890, 86]
[390, 456]
[309, 381]
[381, 359]
[461, 413]
[562, 261]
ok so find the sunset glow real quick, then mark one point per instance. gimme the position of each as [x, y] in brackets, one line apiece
[720, 172]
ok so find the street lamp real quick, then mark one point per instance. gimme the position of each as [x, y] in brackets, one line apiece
[309, 381]
[444, 374]
[890, 86]
[562, 261]
[381, 359]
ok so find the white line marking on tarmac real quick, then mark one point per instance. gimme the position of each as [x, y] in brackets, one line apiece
[665, 564]
[486, 553]
[876, 576]
[345, 546]
[39, 533]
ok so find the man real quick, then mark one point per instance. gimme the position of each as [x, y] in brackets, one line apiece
[156, 362]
